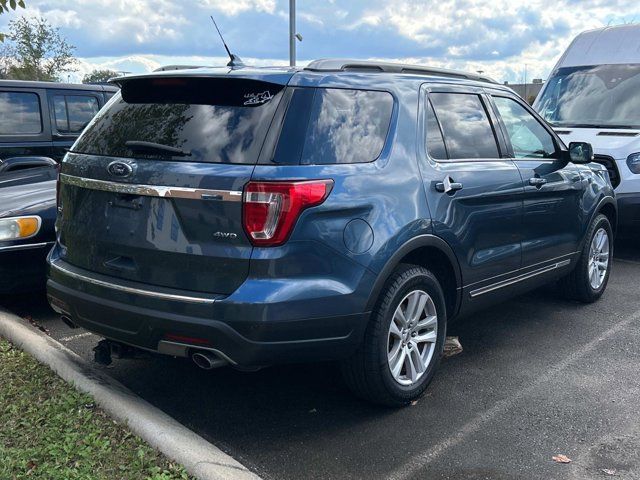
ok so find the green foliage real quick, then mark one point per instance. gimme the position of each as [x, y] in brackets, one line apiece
[5, 6]
[99, 76]
[36, 51]
[50, 431]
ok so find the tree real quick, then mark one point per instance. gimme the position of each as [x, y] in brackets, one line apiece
[37, 51]
[99, 76]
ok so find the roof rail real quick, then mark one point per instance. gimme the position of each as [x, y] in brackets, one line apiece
[348, 65]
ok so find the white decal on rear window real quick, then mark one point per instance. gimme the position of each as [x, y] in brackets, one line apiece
[258, 98]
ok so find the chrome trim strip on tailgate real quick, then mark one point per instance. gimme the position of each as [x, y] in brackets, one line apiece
[151, 190]
[136, 291]
[520, 278]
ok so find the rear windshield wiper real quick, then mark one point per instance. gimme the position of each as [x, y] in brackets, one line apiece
[139, 145]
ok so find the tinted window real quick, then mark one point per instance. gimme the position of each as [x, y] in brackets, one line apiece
[74, 112]
[528, 138]
[346, 126]
[210, 119]
[466, 127]
[60, 113]
[19, 113]
[435, 142]
[81, 110]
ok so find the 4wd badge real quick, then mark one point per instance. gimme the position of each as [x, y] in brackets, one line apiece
[229, 235]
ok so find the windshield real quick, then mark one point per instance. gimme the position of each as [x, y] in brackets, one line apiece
[594, 96]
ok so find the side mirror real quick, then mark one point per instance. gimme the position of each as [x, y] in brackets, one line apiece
[580, 152]
[21, 163]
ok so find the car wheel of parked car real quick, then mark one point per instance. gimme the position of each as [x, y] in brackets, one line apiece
[403, 342]
[589, 279]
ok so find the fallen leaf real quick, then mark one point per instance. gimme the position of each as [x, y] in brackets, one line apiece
[452, 346]
[609, 471]
[414, 403]
[561, 459]
[313, 410]
[31, 466]
[36, 324]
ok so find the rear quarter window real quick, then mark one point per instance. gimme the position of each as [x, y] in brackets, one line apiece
[334, 126]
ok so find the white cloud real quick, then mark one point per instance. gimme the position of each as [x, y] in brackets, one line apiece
[497, 36]
[234, 7]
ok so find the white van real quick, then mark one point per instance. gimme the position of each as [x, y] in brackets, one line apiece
[593, 95]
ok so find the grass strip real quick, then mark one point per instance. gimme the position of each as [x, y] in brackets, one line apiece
[49, 430]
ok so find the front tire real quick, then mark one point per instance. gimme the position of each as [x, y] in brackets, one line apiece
[588, 280]
[403, 342]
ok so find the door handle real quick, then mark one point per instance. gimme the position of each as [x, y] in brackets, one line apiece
[537, 182]
[448, 185]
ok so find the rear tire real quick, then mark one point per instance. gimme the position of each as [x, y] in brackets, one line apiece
[403, 342]
[588, 280]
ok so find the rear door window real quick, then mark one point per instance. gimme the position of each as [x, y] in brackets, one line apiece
[435, 140]
[217, 120]
[20, 113]
[74, 112]
[468, 134]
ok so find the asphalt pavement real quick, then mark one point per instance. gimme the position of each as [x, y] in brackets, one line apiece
[539, 376]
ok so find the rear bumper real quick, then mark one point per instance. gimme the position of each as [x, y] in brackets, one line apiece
[628, 211]
[246, 334]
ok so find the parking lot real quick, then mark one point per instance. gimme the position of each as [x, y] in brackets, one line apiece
[539, 376]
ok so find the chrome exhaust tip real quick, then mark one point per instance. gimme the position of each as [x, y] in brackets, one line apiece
[207, 360]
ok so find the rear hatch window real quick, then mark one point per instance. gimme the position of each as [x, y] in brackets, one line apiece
[216, 120]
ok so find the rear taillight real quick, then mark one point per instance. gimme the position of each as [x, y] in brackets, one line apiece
[270, 209]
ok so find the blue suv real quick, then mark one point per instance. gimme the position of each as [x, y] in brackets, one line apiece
[345, 211]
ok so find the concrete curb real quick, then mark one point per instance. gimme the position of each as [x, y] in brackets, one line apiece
[199, 457]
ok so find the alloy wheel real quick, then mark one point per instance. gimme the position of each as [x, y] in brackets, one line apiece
[412, 337]
[598, 258]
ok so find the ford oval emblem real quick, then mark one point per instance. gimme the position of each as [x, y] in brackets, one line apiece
[120, 169]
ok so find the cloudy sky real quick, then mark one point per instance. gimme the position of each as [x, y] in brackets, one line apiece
[496, 36]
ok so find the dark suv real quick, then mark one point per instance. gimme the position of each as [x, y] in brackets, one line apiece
[345, 211]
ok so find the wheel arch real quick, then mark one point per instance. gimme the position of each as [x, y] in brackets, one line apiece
[431, 252]
[609, 208]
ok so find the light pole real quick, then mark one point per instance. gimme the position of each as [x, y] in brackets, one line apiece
[525, 83]
[293, 36]
[292, 33]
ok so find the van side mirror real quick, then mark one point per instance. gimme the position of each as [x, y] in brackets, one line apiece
[580, 152]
